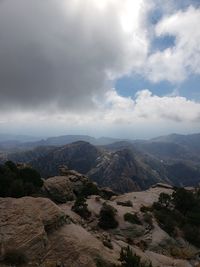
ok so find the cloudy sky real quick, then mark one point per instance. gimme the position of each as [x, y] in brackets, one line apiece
[121, 68]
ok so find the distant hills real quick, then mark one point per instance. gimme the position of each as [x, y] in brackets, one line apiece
[20, 142]
[123, 165]
[17, 138]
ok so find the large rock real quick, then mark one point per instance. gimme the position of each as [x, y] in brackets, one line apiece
[63, 188]
[76, 247]
[25, 224]
[39, 229]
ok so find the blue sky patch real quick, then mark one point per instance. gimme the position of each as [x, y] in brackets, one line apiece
[129, 85]
[163, 42]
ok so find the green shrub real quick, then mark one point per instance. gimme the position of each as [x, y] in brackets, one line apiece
[18, 182]
[181, 211]
[80, 207]
[107, 217]
[29, 175]
[165, 221]
[132, 218]
[89, 189]
[184, 200]
[11, 166]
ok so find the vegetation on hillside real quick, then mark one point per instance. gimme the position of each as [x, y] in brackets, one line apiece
[107, 217]
[129, 259]
[180, 212]
[80, 207]
[132, 218]
[18, 181]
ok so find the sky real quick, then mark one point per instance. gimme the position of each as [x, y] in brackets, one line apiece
[119, 68]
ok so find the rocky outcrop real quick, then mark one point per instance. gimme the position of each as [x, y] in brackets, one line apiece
[40, 230]
[64, 188]
[25, 224]
[123, 170]
[51, 235]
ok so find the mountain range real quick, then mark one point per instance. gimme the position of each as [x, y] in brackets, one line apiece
[123, 165]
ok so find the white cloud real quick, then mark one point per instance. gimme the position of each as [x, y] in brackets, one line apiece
[64, 52]
[149, 107]
[176, 63]
[119, 116]
[58, 60]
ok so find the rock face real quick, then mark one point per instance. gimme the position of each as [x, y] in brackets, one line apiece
[123, 166]
[123, 172]
[41, 231]
[51, 235]
[25, 224]
[63, 188]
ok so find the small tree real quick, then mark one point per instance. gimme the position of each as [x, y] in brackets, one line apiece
[107, 217]
[80, 207]
[89, 189]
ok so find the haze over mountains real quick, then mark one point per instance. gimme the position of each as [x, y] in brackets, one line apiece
[123, 165]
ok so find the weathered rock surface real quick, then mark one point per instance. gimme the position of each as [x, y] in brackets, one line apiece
[63, 188]
[25, 223]
[51, 235]
[38, 228]
[77, 247]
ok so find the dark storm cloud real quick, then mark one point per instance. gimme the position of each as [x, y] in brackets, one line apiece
[53, 52]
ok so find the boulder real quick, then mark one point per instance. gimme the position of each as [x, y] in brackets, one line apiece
[63, 188]
[25, 224]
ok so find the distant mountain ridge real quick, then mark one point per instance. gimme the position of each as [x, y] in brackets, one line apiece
[15, 143]
[123, 169]
[28, 142]
[123, 165]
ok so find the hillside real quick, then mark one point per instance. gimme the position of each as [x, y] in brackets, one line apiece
[123, 170]
[40, 232]
[124, 166]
